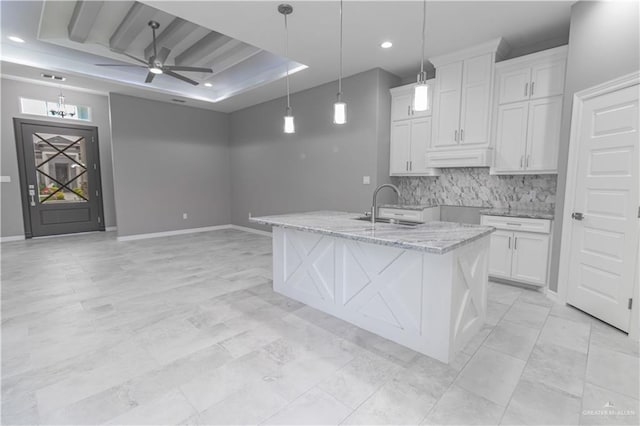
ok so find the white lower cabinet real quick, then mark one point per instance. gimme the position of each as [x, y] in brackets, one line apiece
[519, 255]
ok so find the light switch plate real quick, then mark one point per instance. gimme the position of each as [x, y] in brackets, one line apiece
[5, 179]
[366, 180]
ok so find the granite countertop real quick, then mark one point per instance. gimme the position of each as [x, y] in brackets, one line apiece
[526, 213]
[432, 237]
[408, 206]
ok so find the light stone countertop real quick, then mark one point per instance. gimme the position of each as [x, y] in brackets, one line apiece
[408, 206]
[432, 237]
[526, 213]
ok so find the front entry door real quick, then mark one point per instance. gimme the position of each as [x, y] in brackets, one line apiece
[604, 240]
[59, 177]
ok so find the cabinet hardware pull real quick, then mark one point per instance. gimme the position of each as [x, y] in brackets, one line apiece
[521, 161]
[408, 110]
[455, 135]
[410, 165]
[533, 87]
[513, 224]
[509, 243]
[461, 135]
[528, 160]
[526, 89]
[515, 243]
[406, 166]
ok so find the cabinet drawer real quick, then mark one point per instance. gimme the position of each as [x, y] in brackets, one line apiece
[413, 215]
[542, 226]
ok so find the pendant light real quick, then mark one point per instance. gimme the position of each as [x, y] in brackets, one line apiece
[62, 108]
[289, 125]
[421, 91]
[340, 108]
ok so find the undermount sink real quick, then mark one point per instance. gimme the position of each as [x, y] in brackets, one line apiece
[387, 220]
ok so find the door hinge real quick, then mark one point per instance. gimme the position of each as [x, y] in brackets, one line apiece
[93, 139]
[95, 167]
[630, 303]
[97, 194]
[99, 220]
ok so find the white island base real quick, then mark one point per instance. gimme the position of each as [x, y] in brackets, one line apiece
[432, 303]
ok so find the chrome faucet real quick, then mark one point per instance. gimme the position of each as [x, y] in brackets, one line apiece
[374, 206]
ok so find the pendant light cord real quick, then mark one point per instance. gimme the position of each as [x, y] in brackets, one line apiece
[286, 50]
[340, 75]
[424, 19]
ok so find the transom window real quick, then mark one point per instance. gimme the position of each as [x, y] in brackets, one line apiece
[49, 109]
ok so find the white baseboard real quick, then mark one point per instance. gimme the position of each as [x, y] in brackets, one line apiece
[252, 230]
[172, 233]
[552, 295]
[111, 228]
[13, 238]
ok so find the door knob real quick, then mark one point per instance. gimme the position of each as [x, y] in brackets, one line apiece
[577, 216]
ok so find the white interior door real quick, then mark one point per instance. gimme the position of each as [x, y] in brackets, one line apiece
[604, 242]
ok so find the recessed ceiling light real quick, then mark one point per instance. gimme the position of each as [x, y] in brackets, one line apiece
[53, 77]
[208, 85]
[16, 39]
[386, 44]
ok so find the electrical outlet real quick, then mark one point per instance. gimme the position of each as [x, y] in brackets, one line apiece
[366, 180]
[185, 216]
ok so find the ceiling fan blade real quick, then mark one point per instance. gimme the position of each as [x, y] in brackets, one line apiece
[181, 68]
[149, 78]
[119, 65]
[163, 54]
[134, 58]
[180, 77]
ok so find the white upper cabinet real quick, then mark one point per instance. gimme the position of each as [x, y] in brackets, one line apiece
[462, 106]
[410, 134]
[528, 112]
[402, 102]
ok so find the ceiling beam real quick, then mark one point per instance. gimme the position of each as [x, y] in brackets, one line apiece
[84, 16]
[204, 50]
[173, 34]
[133, 23]
[232, 57]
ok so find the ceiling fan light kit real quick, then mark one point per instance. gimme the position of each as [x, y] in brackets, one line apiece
[155, 65]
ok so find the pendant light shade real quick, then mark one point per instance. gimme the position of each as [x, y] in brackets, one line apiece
[339, 112]
[421, 91]
[340, 108]
[289, 124]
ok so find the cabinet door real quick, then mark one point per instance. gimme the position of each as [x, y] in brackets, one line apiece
[401, 106]
[530, 258]
[447, 108]
[511, 137]
[476, 96]
[500, 254]
[420, 139]
[514, 85]
[543, 139]
[399, 149]
[547, 79]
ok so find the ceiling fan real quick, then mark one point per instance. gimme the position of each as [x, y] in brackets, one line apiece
[156, 64]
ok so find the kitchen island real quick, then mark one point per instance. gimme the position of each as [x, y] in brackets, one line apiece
[423, 286]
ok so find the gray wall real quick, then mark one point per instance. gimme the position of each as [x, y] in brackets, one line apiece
[321, 166]
[11, 204]
[604, 43]
[169, 160]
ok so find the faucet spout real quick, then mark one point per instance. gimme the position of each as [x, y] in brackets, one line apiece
[374, 206]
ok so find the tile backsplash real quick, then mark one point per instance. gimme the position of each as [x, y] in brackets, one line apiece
[475, 187]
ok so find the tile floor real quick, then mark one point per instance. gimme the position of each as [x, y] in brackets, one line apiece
[186, 330]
